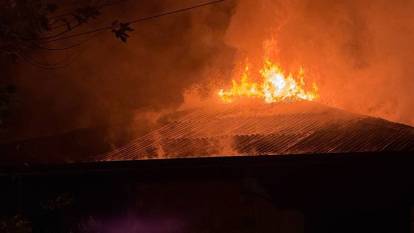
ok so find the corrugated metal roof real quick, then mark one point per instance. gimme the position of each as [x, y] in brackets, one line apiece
[277, 129]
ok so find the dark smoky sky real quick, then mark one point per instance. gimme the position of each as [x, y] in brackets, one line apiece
[359, 52]
[109, 82]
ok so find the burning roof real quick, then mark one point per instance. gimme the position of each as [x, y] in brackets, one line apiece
[273, 85]
[266, 129]
[266, 111]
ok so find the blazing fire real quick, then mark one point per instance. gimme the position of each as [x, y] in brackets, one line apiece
[274, 86]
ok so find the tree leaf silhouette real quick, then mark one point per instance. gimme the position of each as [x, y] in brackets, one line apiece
[121, 30]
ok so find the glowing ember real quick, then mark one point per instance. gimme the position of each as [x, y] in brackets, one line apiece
[275, 86]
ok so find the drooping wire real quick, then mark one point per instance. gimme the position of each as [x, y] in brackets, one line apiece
[95, 32]
[146, 18]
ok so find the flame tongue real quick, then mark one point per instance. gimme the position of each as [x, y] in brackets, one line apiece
[275, 86]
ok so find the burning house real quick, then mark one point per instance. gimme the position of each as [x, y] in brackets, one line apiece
[265, 157]
[296, 130]
[275, 115]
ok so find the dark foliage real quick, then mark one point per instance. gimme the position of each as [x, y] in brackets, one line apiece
[15, 224]
[84, 14]
[121, 30]
[26, 26]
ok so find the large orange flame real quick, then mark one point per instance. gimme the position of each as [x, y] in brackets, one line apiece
[275, 86]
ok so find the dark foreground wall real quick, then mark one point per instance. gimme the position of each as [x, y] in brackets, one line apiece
[313, 193]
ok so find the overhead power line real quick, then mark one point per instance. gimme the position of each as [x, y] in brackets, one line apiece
[146, 18]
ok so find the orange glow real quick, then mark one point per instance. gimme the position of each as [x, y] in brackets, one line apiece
[274, 86]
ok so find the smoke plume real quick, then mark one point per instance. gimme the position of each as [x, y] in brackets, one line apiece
[358, 52]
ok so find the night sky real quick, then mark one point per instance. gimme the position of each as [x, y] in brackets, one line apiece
[359, 53]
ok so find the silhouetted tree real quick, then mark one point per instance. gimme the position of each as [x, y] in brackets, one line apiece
[27, 25]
